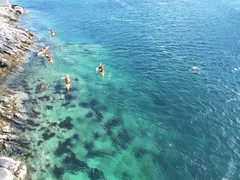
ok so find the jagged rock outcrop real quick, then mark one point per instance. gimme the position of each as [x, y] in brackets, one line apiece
[11, 113]
[12, 169]
[14, 40]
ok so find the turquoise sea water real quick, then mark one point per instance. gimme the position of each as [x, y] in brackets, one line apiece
[151, 117]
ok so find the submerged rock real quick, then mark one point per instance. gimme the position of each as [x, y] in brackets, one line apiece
[88, 145]
[112, 123]
[41, 87]
[49, 107]
[4, 63]
[47, 135]
[58, 172]
[93, 102]
[95, 174]
[74, 164]
[122, 139]
[66, 123]
[66, 104]
[45, 98]
[63, 147]
[70, 97]
[126, 176]
[97, 153]
[98, 115]
[89, 115]
[140, 152]
[96, 135]
[84, 104]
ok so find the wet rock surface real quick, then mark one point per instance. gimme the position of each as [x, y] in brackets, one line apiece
[14, 40]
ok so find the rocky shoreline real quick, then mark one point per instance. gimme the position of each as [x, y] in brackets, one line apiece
[14, 42]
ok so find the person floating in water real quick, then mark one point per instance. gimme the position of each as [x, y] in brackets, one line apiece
[101, 69]
[67, 82]
[49, 58]
[52, 32]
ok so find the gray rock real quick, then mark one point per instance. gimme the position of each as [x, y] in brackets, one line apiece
[4, 99]
[5, 174]
[8, 163]
[20, 10]
[3, 63]
[41, 87]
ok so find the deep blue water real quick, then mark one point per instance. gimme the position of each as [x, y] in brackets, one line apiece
[151, 116]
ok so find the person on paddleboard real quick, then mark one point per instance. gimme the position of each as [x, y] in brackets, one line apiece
[43, 51]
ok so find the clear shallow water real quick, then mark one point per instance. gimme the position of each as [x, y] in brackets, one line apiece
[151, 116]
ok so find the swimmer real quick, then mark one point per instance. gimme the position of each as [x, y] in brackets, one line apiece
[52, 32]
[195, 68]
[49, 58]
[67, 82]
[101, 69]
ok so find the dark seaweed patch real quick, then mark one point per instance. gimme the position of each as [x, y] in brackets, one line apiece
[95, 174]
[112, 123]
[74, 164]
[69, 97]
[98, 115]
[66, 123]
[32, 123]
[74, 89]
[126, 176]
[58, 87]
[97, 153]
[44, 98]
[96, 135]
[102, 108]
[122, 139]
[66, 104]
[75, 136]
[39, 142]
[89, 115]
[49, 107]
[47, 135]
[72, 106]
[84, 104]
[140, 152]
[54, 124]
[58, 172]
[109, 132]
[93, 102]
[63, 147]
[88, 146]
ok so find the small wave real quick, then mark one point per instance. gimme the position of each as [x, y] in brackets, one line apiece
[236, 69]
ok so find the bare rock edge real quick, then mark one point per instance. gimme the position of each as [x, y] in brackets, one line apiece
[14, 42]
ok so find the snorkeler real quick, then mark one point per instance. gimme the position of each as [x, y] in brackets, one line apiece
[49, 58]
[67, 82]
